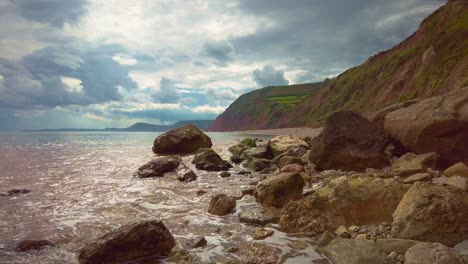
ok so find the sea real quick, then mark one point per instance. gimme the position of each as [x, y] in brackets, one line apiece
[82, 186]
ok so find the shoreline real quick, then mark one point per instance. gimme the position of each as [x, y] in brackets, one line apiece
[296, 131]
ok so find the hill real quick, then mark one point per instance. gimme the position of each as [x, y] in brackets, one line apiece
[430, 62]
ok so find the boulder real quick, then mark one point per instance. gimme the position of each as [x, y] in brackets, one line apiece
[347, 201]
[418, 177]
[207, 159]
[278, 190]
[27, 245]
[438, 124]
[260, 152]
[353, 251]
[292, 168]
[411, 163]
[134, 241]
[250, 142]
[281, 144]
[349, 142]
[187, 176]
[432, 213]
[258, 164]
[186, 139]
[459, 169]
[158, 167]
[432, 253]
[287, 160]
[221, 204]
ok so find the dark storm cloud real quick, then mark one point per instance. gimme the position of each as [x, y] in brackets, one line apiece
[268, 76]
[167, 93]
[53, 12]
[221, 51]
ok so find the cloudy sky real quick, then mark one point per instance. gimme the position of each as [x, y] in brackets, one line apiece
[111, 63]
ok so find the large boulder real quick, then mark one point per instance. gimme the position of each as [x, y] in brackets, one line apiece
[411, 163]
[278, 190]
[433, 253]
[221, 204]
[158, 167]
[347, 200]
[432, 213]
[207, 159]
[353, 251]
[438, 124]
[349, 142]
[186, 139]
[281, 144]
[459, 169]
[129, 242]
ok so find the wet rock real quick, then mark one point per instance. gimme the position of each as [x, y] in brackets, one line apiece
[438, 124]
[292, 168]
[196, 242]
[397, 245]
[250, 142]
[260, 152]
[207, 159]
[410, 163]
[281, 144]
[258, 253]
[298, 245]
[15, 192]
[186, 139]
[27, 245]
[180, 256]
[232, 250]
[418, 177]
[349, 142]
[238, 149]
[278, 190]
[346, 201]
[288, 160]
[187, 176]
[248, 191]
[225, 174]
[261, 233]
[201, 192]
[236, 159]
[459, 169]
[325, 238]
[221, 205]
[129, 242]
[258, 164]
[158, 167]
[258, 215]
[432, 213]
[432, 253]
[353, 251]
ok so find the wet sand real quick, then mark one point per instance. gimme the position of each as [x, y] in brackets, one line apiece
[297, 131]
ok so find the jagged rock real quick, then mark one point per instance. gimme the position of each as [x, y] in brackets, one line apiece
[418, 177]
[187, 176]
[432, 213]
[129, 242]
[207, 159]
[349, 142]
[27, 245]
[261, 233]
[459, 169]
[347, 200]
[278, 190]
[353, 251]
[197, 242]
[432, 253]
[281, 144]
[186, 139]
[438, 124]
[411, 163]
[221, 204]
[258, 164]
[287, 160]
[158, 167]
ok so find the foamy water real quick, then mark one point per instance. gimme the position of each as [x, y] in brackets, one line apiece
[82, 187]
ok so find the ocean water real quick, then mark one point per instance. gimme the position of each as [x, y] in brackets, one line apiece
[82, 187]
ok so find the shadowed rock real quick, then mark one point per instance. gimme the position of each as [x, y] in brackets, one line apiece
[158, 167]
[207, 159]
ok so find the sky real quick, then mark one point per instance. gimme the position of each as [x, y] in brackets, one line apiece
[111, 63]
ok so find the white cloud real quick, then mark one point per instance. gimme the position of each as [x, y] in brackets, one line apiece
[124, 59]
[209, 109]
[72, 84]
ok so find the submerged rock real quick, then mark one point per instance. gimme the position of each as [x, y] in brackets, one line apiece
[187, 176]
[207, 159]
[158, 167]
[278, 190]
[14, 192]
[281, 144]
[27, 245]
[411, 163]
[353, 251]
[129, 242]
[186, 139]
[349, 142]
[221, 204]
[197, 242]
[261, 233]
[432, 253]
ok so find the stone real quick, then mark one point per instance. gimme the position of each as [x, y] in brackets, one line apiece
[238, 149]
[201, 192]
[325, 238]
[258, 164]
[207, 159]
[343, 232]
[27, 245]
[292, 168]
[186, 139]
[221, 205]
[278, 190]
[187, 176]
[438, 124]
[196, 242]
[260, 152]
[346, 200]
[288, 160]
[225, 174]
[250, 142]
[378, 117]
[411, 163]
[432, 253]
[258, 215]
[397, 245]
[432, 213]
[455, 181]
[261, 233]
[353, 251]
[459, 169]
[129, 242]
[418, 177]
[349, 142]
[15, 192]
[158, 167]
[298, 245]
[281, 144]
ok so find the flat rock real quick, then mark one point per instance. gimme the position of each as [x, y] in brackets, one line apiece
[418, 177]
[353, 251]
[411, 163]
[459, 169]
[158, 167]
